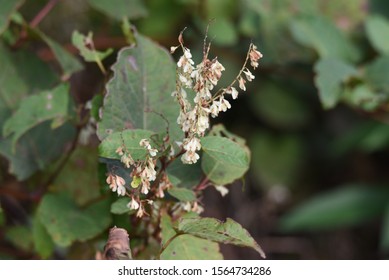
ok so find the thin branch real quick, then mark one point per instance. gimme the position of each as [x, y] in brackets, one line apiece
[43, 13]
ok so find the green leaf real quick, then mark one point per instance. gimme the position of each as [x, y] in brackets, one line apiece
[8, 7]
[362, 96]
[347, 206]
[84, 45]
[43, 243]
[182, 194]
[36, 149]
[280, 106]
[133, 9]
[384, 240]
[20, 237]
[221, 130]
[120, 206]
[377, 30]
[277, 159]
[82, 165]
[140, 92]
[368, 136]
[188, 247]
[331, 74]
[217, 9]
[322, 35]
[67, 61]
[66, 223]
[187, 175]
[167, 230]
[24, 74]
[223, 31]
[223, 160]
[228, 232]
[376, 74]
[129, 140]
[36, 109]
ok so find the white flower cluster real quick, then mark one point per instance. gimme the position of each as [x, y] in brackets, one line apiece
[116, 184]
[142, 174]
[202, 78]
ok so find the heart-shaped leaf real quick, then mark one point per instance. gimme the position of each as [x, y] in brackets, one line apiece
[139, 94]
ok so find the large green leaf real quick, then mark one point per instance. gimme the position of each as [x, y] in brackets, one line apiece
[132, 9]
[140, 92]
[188, 247]
[129, 140]
[21, 74]
[66, 223]
[43, 243]
[167, 230]
[376, 74]
[322, 35]
[7, 8]
[81, 165]
[346, 206]
[36, 149]
[331, 73]
[223, 160]
[36, 109]
[228, 232]
[20, 237]
[377, 29]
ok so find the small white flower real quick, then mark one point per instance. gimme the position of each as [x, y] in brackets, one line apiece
[187, 54]
[185, 81]
[202, 124]
[192, 145]
[145, 187]
[133, 204]
[121, 190]
[233, 92]
[224, 105]
[140, 212]
[222, 190]
[249, 75]
[187, 206]
[217, 69]
[173, 49]
[189, 157]
[215, 109]
[145, 143]
[153, 152]
[242, 84]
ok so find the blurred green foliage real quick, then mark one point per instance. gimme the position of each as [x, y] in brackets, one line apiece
[315, 118]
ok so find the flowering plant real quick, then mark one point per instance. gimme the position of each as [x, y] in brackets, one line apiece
[143, 160]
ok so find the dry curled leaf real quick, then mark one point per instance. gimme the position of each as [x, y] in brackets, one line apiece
[118, 245]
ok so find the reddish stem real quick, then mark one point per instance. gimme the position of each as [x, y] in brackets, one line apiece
[43, 13]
